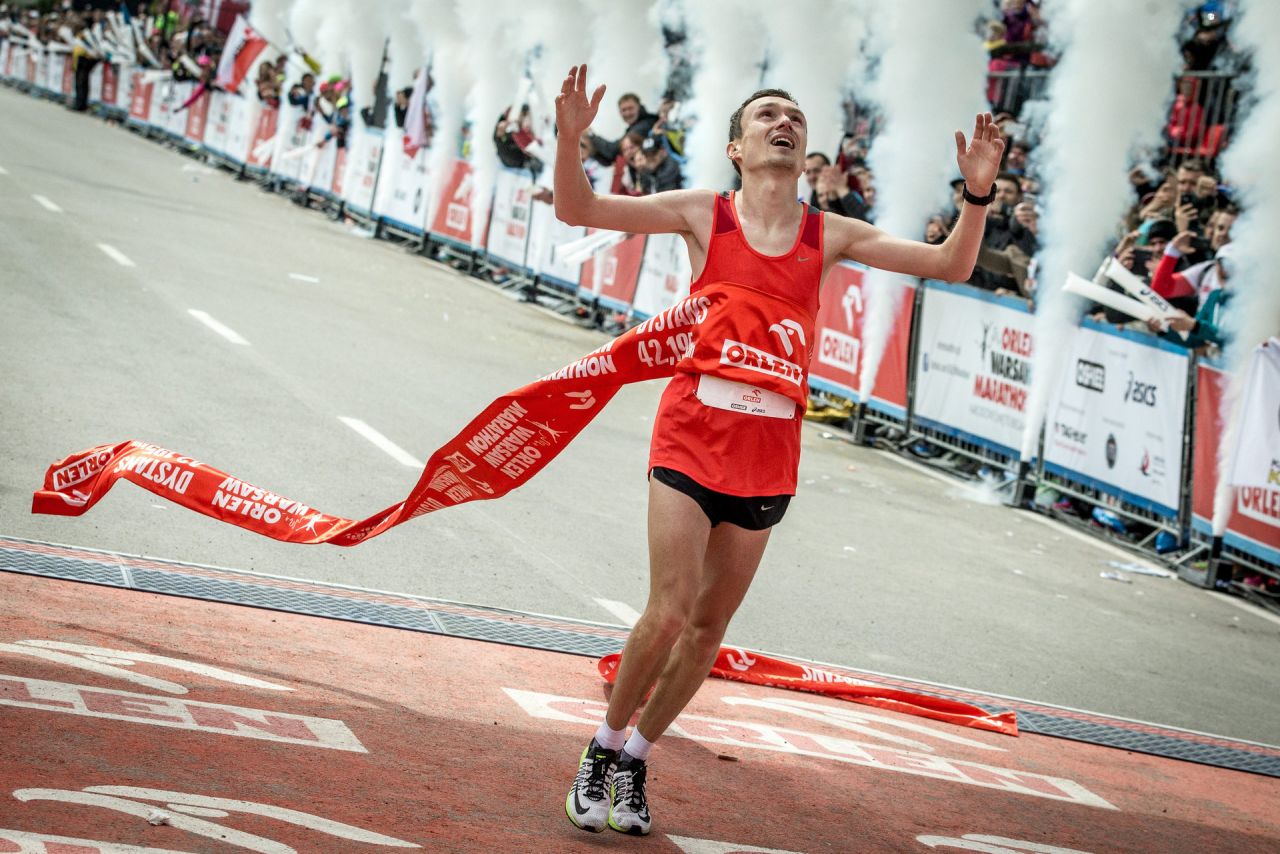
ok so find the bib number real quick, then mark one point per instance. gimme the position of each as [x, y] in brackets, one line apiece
[739, 397]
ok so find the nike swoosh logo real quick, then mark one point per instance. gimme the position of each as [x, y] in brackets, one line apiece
[802, 259]
[577, 806]
[770, 507]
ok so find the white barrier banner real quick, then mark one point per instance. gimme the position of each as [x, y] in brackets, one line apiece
[547, 233]
[403, 185]
[364, 156]
[973, 363]
[320, 159]
[6, 54]
[291, 138]
[664, 275]
[509, 223]
[1257, 453]
[1117, 413]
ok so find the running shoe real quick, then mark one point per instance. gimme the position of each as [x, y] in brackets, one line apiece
[630, 810]
[587, 804]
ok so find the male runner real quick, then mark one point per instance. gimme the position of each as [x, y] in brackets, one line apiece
[720, 478]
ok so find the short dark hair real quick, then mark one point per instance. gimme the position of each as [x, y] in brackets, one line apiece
[1193, 164]
[735, 121]
[630, 96]
[826, 161]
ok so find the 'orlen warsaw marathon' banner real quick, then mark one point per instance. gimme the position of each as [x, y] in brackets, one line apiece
[1253, 523]
[973, 365]
[1117, 415]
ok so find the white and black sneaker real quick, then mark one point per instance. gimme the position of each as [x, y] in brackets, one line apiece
[629, 812]
[588, 802]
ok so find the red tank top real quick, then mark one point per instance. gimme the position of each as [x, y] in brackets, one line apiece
[727, 451]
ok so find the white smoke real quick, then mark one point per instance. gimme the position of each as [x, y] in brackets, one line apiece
[730, 45]
[929, 83]
[406, 52]
[491, 93]
[440, 32]
[1250, 165]
[1108, 95]
[819, 71]
[270, 18]
[626, 55]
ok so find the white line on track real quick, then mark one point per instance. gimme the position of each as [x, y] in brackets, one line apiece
[225, 331]
[116, 255]
[621, 610]
[302, 277]
[46, 203]
[384, 444]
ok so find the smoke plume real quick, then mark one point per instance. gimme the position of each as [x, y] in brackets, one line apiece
[626, 55]
[1108, 95]
[1250, 165]
[929, 83]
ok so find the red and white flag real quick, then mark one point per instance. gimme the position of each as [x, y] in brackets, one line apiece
[415, 120]
[244, 46]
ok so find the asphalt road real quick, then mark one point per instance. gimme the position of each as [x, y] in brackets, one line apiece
[108, 242]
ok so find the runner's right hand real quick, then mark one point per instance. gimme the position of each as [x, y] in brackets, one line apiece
[574, 113]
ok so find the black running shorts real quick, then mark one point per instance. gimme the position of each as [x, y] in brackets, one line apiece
[754, 514]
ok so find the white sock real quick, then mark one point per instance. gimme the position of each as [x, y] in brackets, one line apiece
[610, 738]
[638, 746]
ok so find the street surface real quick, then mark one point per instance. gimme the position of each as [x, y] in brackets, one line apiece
[144, 296]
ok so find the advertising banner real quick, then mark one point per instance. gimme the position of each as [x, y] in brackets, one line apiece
[613, 274]
[360, 171]
[67, 84]
[1256, 463]
[140, 95]
[1116, 416]
[6, 58]
[240, 127]
[262, 143]
[508, 237]
[973, 365]
[837, 356]
[110, 92]
[403, 188]
[1253, 523]
[664, 275]
[548, 233]
[95, 81]
[452, 219]
[288, 158]
[197, 117]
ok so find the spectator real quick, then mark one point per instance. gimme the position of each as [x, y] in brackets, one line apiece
[638, 121]
[658, 171]
[1015, 161]
[830, 188]
[1206, 326]
[513, 139]
[1201, 50]
[401, 106]
[625, 180]
[1186, 116]
[302, 93]
[1003, 231]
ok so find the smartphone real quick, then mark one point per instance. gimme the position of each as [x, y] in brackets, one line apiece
[1138, 265]
[1188, 199]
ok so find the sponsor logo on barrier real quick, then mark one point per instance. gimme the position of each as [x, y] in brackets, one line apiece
[1151, 466]
[1091, 375]
[1273, 475]
[738, 355]
[1261, 505]
[456, 216]
[1111, 450]
[1136, 391]
[1071, 434]
[841, 351]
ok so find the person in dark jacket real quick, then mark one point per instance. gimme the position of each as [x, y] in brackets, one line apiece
[638, 120]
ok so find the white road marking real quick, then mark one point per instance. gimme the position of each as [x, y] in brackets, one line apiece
[46, 203]
[116, 255]
[225, 331]
[621, 610]
[302, 277]
[3, 171]
[387, 446]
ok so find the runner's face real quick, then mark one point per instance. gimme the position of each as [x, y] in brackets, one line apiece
[774, 136]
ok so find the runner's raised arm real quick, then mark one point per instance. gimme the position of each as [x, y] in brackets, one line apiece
[950, 261]
[577, 204]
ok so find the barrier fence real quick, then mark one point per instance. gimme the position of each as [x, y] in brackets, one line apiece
[1133, 420]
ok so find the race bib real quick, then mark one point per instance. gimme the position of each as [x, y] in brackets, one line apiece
[740, 397]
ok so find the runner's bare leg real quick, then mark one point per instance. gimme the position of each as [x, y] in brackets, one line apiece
[732, 556]
[678, 535]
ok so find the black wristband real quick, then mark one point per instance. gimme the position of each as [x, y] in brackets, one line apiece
[979, 200]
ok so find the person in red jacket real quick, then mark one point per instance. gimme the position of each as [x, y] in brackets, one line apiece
[724, 454]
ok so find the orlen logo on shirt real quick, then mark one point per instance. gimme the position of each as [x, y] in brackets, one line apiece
[738, 355]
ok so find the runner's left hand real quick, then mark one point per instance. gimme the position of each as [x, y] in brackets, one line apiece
[979, 161]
